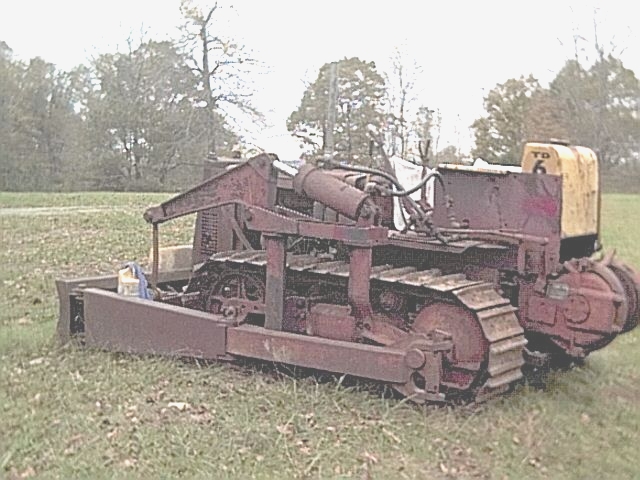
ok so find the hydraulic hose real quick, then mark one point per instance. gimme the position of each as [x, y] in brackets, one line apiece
[371, 171]
[391, 178]
[400, 192]
[419, 185]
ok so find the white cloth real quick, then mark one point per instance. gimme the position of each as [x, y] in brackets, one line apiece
[409, 174]
[481, 164]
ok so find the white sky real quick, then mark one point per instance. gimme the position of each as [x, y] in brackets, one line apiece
[464, 47]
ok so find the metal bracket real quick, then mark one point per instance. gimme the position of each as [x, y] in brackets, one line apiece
[424, 354]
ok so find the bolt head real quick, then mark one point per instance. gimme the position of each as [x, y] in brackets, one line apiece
[229, 312]
[415, 359]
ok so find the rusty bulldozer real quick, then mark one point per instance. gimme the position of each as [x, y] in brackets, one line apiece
[445, 295]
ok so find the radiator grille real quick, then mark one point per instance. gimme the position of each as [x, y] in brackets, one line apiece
[209, 232]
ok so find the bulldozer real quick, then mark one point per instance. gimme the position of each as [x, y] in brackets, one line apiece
[496, 270]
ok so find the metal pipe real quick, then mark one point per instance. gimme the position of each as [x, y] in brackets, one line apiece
[414, 205]
[371, 171]
[330, 191]
[156, 257]
[419, 185]
[400, 192]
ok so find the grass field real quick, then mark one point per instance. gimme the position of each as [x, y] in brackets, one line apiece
[68, 413]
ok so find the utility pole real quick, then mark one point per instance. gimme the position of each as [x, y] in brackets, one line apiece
[329, 145]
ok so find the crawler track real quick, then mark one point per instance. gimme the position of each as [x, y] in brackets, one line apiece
[488, 339]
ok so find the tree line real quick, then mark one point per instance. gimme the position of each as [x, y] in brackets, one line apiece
[376, 114]
[141, 119]
[596, 106]
[145, 118]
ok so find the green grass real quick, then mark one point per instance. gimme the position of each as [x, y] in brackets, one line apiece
[70, 413]
[93, 199]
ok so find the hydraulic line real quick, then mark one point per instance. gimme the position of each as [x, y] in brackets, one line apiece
[391, 178]
[400, 192]
[419, 185]
[406, 193]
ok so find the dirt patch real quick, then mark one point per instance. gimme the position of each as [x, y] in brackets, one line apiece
[47, 211]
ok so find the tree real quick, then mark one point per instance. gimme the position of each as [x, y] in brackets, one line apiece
[401, 97]
[595, 107]
[37, 118]
[222, 66]
[360, 107]
[9, 90]
[426, 130]
[600, 107]
[449, 154]
[594, 101]
[145, 118]
[545, 118]
[130, 120]
[501, 134]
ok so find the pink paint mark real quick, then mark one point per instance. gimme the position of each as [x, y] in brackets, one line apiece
[541, 206]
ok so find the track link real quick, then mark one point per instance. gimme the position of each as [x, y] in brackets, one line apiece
[495, 315]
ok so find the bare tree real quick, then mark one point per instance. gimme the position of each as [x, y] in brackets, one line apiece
[222, 65]
[600, 96]
[402, 101]
[426, 130]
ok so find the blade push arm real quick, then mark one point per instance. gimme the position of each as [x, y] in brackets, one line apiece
[252, 183]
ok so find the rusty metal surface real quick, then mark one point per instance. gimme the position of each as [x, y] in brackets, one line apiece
[630, 280]
[378, 363]
[133, 325]
[359, 285]
[234, 293]
[271, 222]
[523, 202]
[482, 325]
[206, 238]
[582, 310]
[455, 305]
[295, 314]
[66, 314]
[66, 299]
[425, 355]
[276, 281]
[211, 231]
[330, 191]
[252, 183]
[332, 321]
[479, 297]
